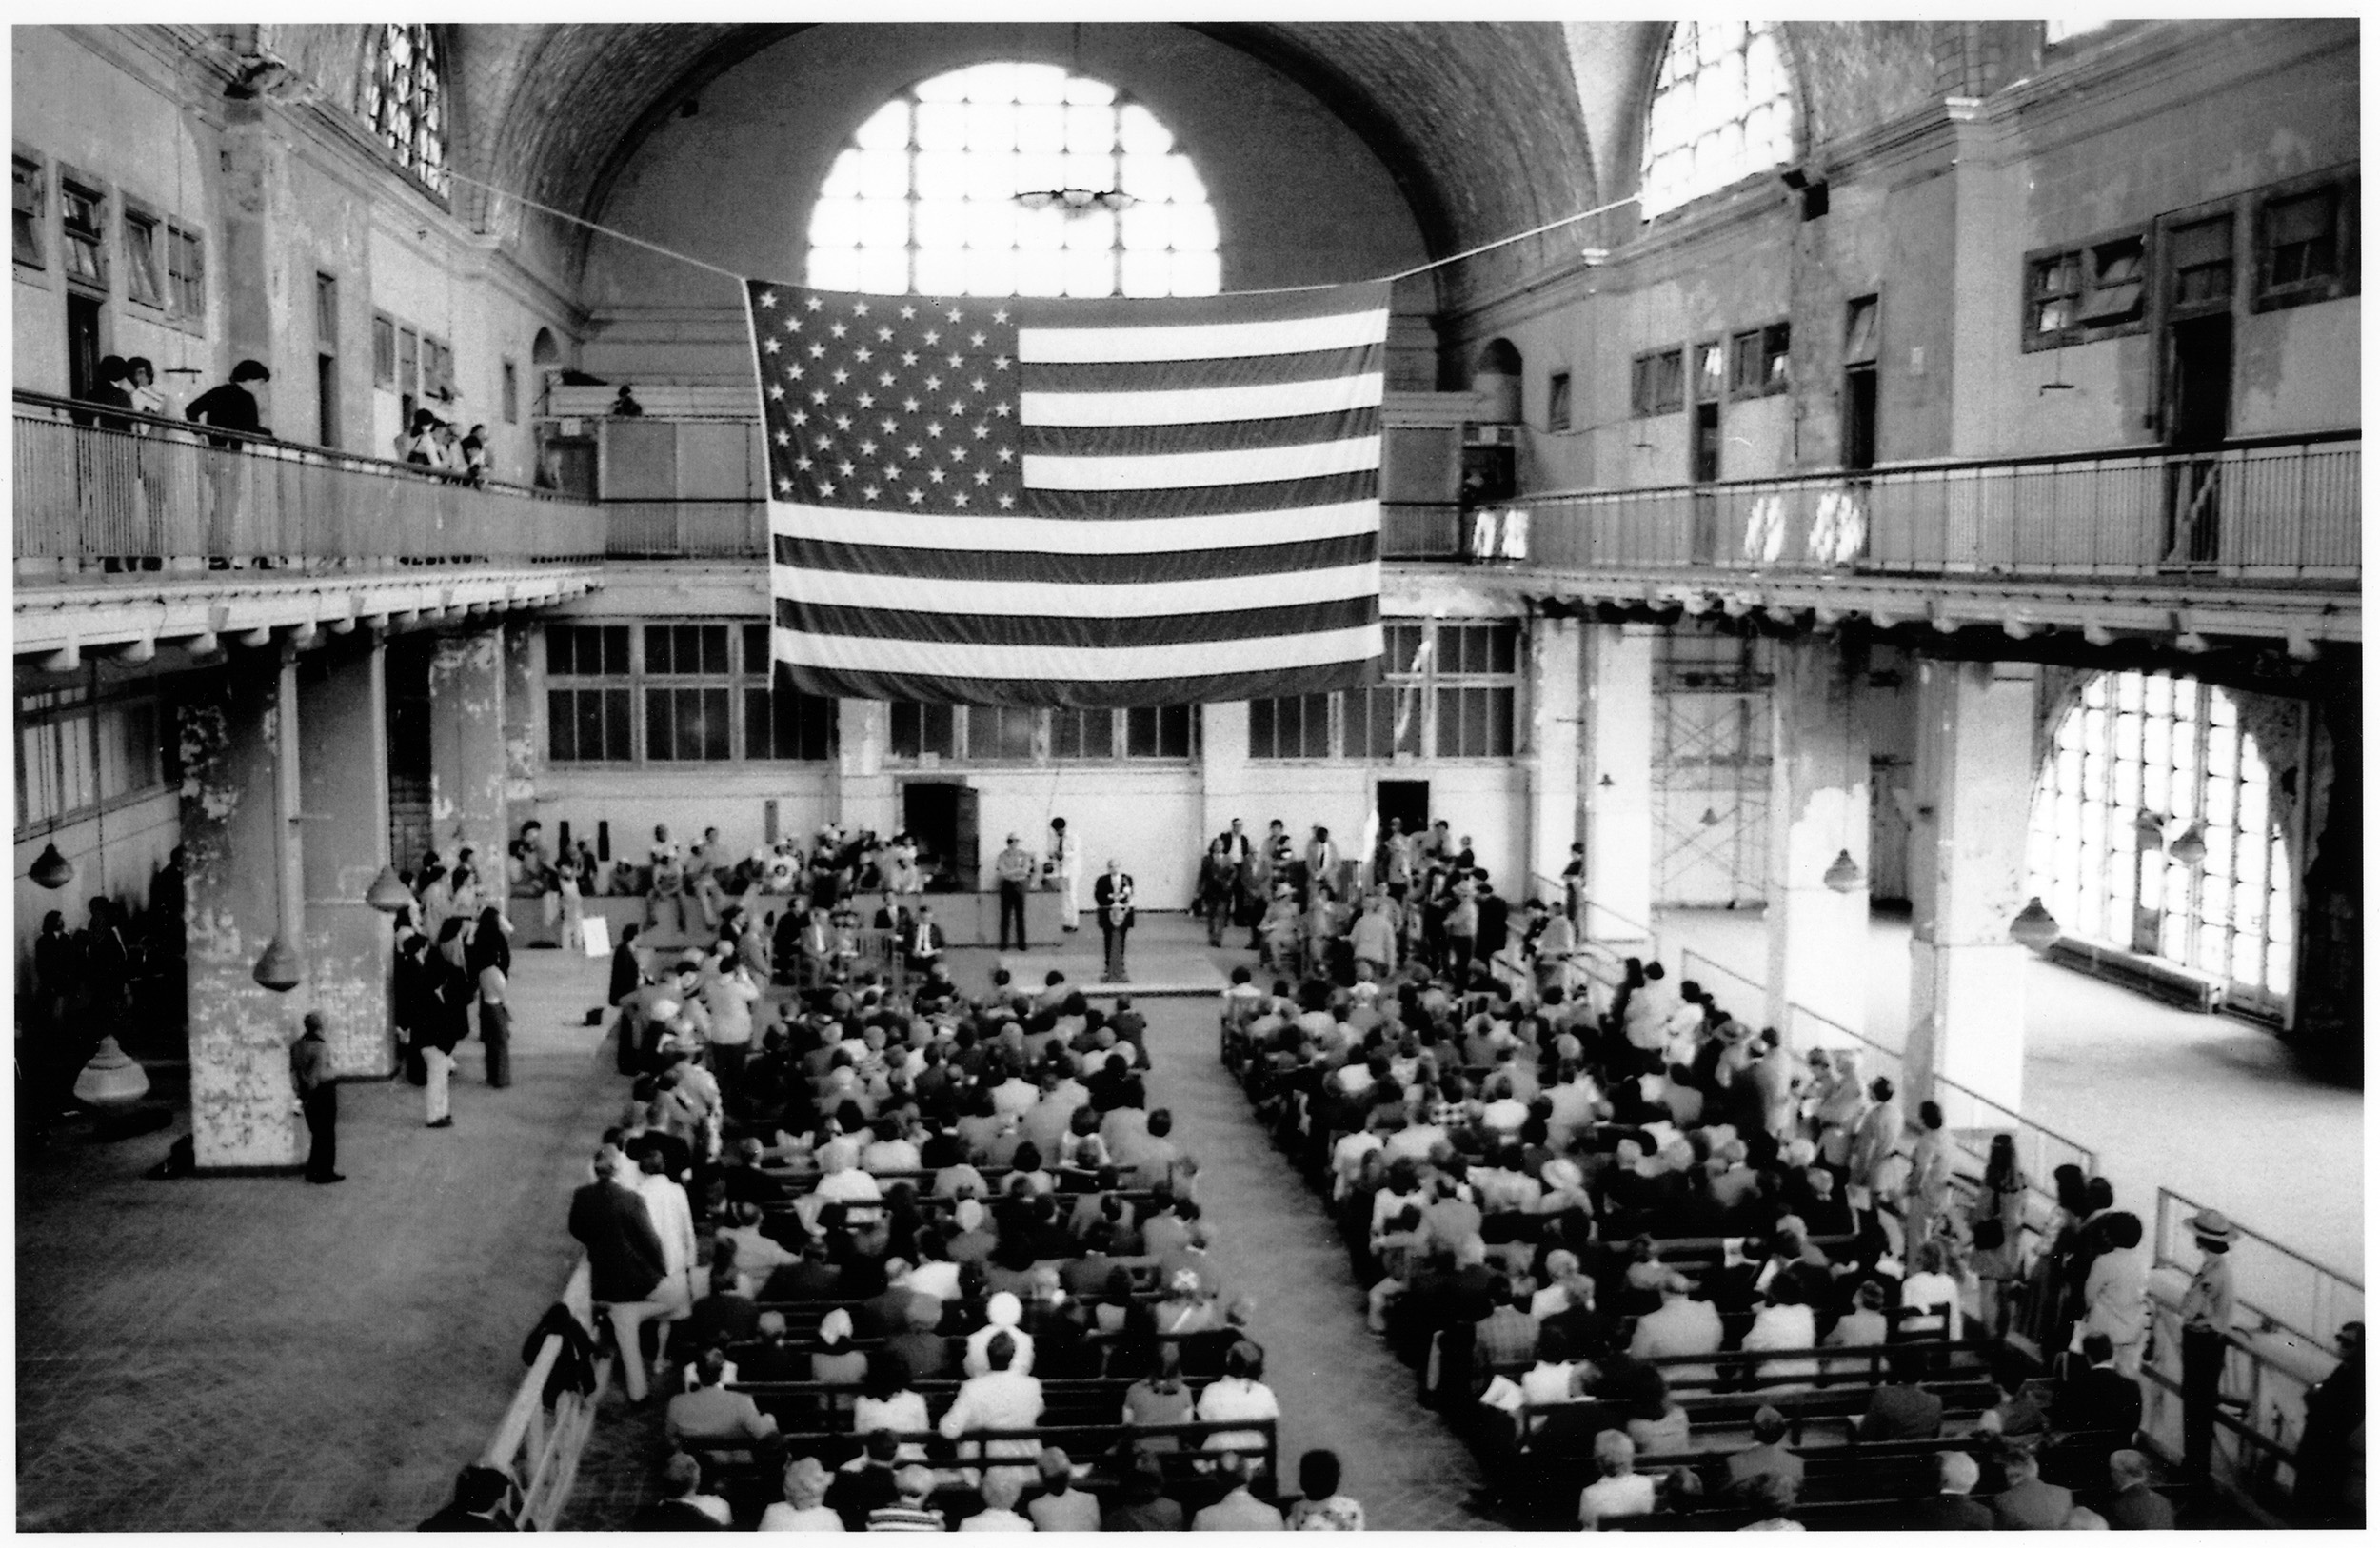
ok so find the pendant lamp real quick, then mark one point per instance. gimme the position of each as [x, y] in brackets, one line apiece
[279, 969]
[2190, 847]
[51, 870]
[1845, 874]
[387, 893]
[111, 1077]
[2034, 926]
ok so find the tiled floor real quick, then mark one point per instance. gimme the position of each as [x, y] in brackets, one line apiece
[256, 1354]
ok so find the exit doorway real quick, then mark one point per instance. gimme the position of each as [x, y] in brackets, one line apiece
[941, 815]
[1407, 800]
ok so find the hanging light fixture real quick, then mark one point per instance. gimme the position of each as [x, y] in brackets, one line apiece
[2034, 926]
[2149, 830]
[1845, 874]
[51, 870]
[113, 1076]
[388, 892]
[1710, 817]
[280, 968]
[2190, 847]
[1071, 201]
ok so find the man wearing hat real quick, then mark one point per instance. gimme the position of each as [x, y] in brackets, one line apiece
[318, 1099]
[1014, 870]
[2206, 1331]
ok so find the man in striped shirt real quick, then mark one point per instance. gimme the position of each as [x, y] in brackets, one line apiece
[909, 1513]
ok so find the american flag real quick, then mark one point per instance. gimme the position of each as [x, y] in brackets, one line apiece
[1086, 503]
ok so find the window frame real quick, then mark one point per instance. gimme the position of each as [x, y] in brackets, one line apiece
[1558, 401]
[136, 215]
[37, 218]
[1769, 350]
[384, 352]
[1659, 197]
[1423, 672]
[1051, 746]
[638, 680]
[186, 286]
[2346, 278]
[428, 82]
[74, 185]
[80, 712]
[1648, 374]
[2085, 256]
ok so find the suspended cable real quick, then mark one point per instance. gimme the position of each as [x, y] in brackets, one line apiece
[596, 225]
[1522, 236]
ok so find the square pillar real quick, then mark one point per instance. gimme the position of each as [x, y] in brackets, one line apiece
[1556, 698]
[343, 737]
[1817, 937]
[1224, 771]
[1974, 777]
[525, 727]
[236, 743]
[469, 767]
[1615, 772]
[862, 792]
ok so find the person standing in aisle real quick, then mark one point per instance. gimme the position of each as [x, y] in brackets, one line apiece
[490, 961]
[1112, 896]
[1064, 866]
[318, 1099]
[2207, 1307]
[1014, 870]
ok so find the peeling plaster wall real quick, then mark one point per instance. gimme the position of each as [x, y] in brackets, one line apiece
[344, 772]
[468, 761]
[240, 1033]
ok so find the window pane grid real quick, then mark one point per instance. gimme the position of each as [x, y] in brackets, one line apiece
[1721, 111]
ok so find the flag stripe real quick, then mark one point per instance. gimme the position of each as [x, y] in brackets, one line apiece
[1034, 602]
[1200, 404]
[1100, 569]
[1027, 534]
[1079, 632]
[1176, 439]
[1119, 693]
[1161, 375]
[1201, 341]
[1133, 311]
[1156, 662]
[1282, 499]
[1259, 464]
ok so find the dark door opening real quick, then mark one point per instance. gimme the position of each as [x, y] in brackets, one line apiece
[326, 400]
[1704, 468]
[1407, 800]
[2198, 419]
[82, 344]
[1859, 418]
[939, 815]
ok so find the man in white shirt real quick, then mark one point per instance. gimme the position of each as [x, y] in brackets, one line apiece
[1000, 1399]
[1681, 1326]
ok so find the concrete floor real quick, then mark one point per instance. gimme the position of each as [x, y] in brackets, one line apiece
[2211, 1108]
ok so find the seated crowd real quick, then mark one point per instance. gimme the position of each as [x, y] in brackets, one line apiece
[909, 1260]
[1619, 1233]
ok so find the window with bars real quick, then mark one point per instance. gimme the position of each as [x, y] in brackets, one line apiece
[2094, 291]
[1721, 111]
[923, 199]
[781, 723]
[28, 191]
[2137, 765]
[404, 100]
[142, 273]
[186, 273]
[84, 225]
[1658, 383]
[1452, 687]
[1760, 361]
[1558, 402]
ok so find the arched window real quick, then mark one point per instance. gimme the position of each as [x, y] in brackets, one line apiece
[924, 200]
[405, 98]
[1722, 110]
[2143, 772]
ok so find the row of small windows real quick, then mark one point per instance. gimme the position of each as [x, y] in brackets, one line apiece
[1751, 363]
[982, 734]
[75, 757]
[98, 239]
[1452, 690]
[602, 692]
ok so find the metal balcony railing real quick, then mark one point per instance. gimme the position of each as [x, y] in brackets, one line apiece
[2273, 510]
[101, 488]
[685, 529]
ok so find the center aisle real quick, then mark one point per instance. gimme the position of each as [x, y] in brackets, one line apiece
[1339, 1386]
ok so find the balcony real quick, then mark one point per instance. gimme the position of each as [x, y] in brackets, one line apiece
[2253, 537]
[130, 527]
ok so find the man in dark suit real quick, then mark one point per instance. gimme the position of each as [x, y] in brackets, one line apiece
[2134, 1506]
[2100, 1408]
[924, 940]
[623, 1256]
[1111, 899]
[1902, 1413]
[2028, 1504]
[1953, 1507]
[678, 1511]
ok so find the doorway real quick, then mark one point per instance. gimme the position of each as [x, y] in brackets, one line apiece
[83, 323]
[1407, 800]
[1859, 418]
[2199, 419]
[1702, 452]
[941, 815]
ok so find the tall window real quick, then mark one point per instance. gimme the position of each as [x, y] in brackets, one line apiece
[405, 99]
[923, 198]
[30, 212]
[1721, 111]
[2139, 765]
[1451, 688]
[986, 734]
[708, 695]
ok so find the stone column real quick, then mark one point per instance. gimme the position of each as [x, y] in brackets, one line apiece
[1974, 775]
[862, 792]
[524, 729]
[343, 739]
[1557, 669]
[468, 763]
[1224, 771]
[236, 742]
[1617, 775]
[1817, 937]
